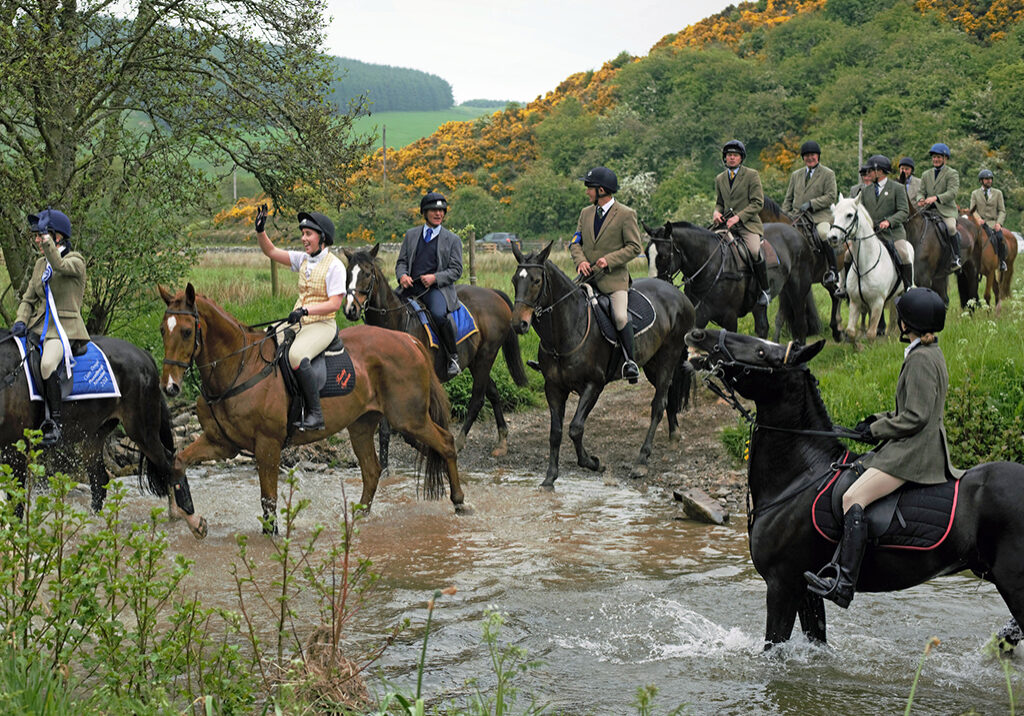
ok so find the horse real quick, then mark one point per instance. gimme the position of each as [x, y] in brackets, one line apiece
[794, 451]
[141, 410]
[575, 357]
[244, 404]
[872, 282]
[968, 277]
[720, 286]
[932, 255]
[987, 261]
[369, 296]
[772, 213]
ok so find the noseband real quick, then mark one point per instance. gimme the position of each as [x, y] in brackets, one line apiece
[361, 305]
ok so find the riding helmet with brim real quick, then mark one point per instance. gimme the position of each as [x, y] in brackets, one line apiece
[433, 200]
[734, 145]
[810, 147]
[986, 174]
[880, 161]
[601, 177]
[922, 310]
[49, 220]
[906, 162]
[319, 223]
[939, 148]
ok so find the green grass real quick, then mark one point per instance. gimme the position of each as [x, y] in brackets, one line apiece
[406, 127]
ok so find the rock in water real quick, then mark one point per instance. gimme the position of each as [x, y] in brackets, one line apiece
[698, 505]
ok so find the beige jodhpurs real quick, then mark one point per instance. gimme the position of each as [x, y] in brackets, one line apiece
[310, 340]
[620, 308]
[53, 353]
[872, 485]
[753, 242]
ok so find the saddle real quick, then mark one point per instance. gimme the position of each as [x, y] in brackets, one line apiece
[917, 517]
[91, 374]
[465, 323]
[642, 315]
[335, 374]
[741, 254]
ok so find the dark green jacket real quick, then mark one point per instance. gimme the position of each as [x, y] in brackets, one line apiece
[744, 198]
[890, 205]
[821, 191]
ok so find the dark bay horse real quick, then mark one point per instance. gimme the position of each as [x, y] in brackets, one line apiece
[575, 357]
[141, 410]
[793, 450]
[968, 278]
[932, 255]
[772, 213]
[986, 261]
[721, 288]
[371, 297]
[244, 405]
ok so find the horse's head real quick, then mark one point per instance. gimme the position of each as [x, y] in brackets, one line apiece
[746, 363]
[529, 286]
[182, 335]
[846, 219]
[664, 258]
[362, 281]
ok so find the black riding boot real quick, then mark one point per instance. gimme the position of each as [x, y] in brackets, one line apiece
[52, 399]
[312, 418]
[761, 275]
[448, 338]
[831, 278]
[954, 246]
[840, 585]
[906, 272]
[1000, 246]
[630, 371]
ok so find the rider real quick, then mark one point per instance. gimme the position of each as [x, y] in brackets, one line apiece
[907, 178]
[888, 206]
[865, 180]
[987, 205]
[812, 191]
[322, 278]
[51, 308]
[429, 263]
[607, 238]
[739, 194]
[913, 436]
[938, 189]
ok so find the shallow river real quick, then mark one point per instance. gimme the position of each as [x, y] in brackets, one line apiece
[611, 590]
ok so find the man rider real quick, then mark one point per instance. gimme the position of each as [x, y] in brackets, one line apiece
[740, 196]
[988, 206]
[429, 263]
[907, 178]
[938, 190]
[812, 191]
[607, 238]
[889, 208]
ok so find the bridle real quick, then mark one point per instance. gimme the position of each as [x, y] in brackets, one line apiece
[196, 337]
[539, 311]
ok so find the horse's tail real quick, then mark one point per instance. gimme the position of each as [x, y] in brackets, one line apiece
[681, 386]
[510, 349]
[440, 412]
[158, 477]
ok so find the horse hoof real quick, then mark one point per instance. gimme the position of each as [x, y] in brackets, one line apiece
[463, 509]
[500, 451]
[460, 442]
[548, 484]
[639, 471]
[200, 531]
[673, 438]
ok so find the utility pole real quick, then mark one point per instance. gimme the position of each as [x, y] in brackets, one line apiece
[384, 147]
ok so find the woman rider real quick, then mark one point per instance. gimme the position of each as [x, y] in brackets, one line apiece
[322, 278]
[914, 445]
[51, 309]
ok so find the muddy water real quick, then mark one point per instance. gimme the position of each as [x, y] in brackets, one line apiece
[611, 591]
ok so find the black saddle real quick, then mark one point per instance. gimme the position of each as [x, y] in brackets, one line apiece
[914, 517]
[641, 314]
[335, 374]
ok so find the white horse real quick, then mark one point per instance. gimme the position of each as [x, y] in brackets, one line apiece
[873, 280]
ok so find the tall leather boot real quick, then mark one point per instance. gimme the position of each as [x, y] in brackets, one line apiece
[954, 246]
[630, 370]
[761, 275]
[312, 418]
[52, 399]
[905, 272]
[840, 585]
[448, 338]
[831, 278]
[1000, 246]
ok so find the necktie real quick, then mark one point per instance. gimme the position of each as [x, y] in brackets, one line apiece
[600, 213]
[878, 189]
[810, 173]
[426, 235]
[937, 172]
[987, 195]
[732, 174]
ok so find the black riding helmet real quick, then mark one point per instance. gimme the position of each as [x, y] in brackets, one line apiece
[906, 161]
[986, 174]
[601, 177]
[319, 223]
[880, 161]
[734, 145]
[810, 147]
[922, 311]
[433, 200]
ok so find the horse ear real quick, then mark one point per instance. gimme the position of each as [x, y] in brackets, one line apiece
[647, 229]
[190, 295]
[165, 294]
[543, 256]
[805, 353]
[516, 252]
[348, 256]
[668, 230]
[374, 250]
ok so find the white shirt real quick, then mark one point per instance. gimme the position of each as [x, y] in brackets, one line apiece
[913, 344]
[336, 274]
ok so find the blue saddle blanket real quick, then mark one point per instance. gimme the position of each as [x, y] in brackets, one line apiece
[91, 375]
[465, 324]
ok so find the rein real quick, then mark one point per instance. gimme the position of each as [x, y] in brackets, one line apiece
[540, 311]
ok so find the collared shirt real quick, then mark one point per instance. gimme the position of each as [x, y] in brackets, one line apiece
[607, 206]
[434, 231]
[913, 344]
[881, 184]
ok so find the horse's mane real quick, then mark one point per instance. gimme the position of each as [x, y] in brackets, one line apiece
[684, 225]
[223, 313]
[774, 206]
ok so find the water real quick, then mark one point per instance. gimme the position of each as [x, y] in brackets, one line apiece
[611, 590]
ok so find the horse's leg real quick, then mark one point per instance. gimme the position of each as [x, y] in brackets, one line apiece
[876, 313]
[556, 397]
[588, 399]
[501, 449]
[853, 319]
[481, 380]
[662, 375]
[782, 603]
[267, 451]
[836, 319]
[92, 457]
[360, 433]
[202, 448]
[384, 438]
[812, 617]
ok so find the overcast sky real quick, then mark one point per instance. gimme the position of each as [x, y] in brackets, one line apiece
[514, 50]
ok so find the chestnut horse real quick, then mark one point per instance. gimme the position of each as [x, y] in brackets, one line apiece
[987, 262]
[371, 298]
[244, 405]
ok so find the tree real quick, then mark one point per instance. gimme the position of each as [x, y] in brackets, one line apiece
[118, 115]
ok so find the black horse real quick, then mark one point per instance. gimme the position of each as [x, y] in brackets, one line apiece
[141, 409]
[575, 357]
[793, 451]
[721, 286]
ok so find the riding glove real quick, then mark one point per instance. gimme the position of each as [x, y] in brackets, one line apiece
[806, 206]
[19, 329]
[865, 423]
[296, 315]
[261, 218]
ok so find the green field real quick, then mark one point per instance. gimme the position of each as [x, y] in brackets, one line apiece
[406, 127]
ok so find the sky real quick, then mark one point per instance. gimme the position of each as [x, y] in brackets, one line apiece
[513, 50]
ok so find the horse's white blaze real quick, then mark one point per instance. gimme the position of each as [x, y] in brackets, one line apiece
[171, 323]
[170, 382]
[652, 260]
[350, 294]
[522, 273]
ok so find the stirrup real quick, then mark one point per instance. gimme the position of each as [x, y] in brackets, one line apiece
[764, 299]
[534, 364]
[51, 433]
[312, 422]
[453, 367]
[1002, 266]
[630, 371]
[821, 584]
[830, 277]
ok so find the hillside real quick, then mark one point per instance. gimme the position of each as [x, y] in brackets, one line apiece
[389, 89]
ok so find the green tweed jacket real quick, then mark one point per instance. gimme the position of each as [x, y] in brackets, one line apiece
[821, 191]
[618, 242]
[745, 198]
[67, 284]
[944, 186]
[991, 208]
[891, 204]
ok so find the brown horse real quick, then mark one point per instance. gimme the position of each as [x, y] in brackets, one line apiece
[987, 261]
[371, 297]
[932, 255]
[967, 279]
[244, 404]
